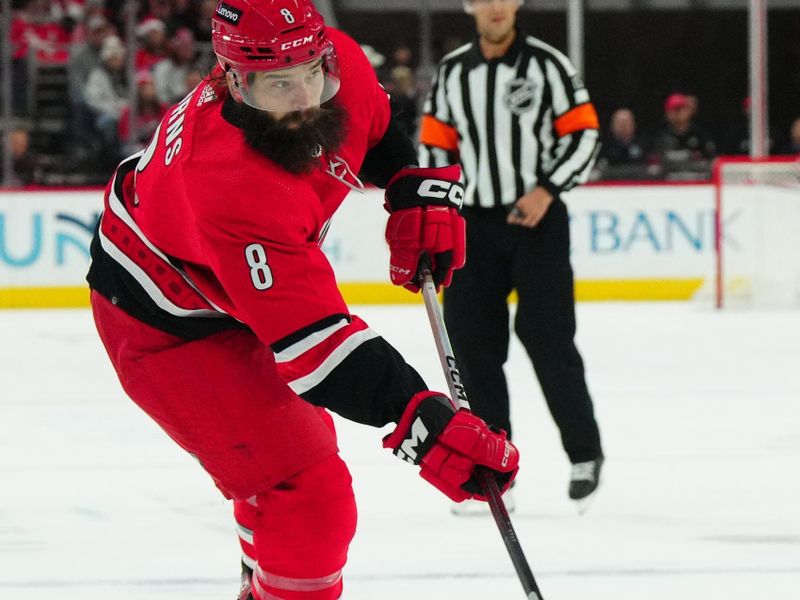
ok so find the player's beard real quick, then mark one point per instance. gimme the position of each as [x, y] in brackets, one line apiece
[297, 140]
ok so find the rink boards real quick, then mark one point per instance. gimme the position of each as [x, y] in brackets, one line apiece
[629, 242]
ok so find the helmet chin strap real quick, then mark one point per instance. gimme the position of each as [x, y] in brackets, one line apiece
[233, 85]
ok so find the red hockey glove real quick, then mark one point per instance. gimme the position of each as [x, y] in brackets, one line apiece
[448, 445]
[424, 222]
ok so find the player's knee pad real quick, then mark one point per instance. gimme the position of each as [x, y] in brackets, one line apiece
[305, 527]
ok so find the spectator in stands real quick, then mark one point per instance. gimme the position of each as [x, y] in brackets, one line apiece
[682, 149]
[737, 139]
[84, 58]
[95, 7]
[107, 94]
[402, 89]
[68, 11]
[792, 145]
[44, 35]
[23, 160]
[64, 15]
[402, 56]
[35, 35]
[152, 36]
[623, 154]
[90, 9]
[149, 112]
[170, 73]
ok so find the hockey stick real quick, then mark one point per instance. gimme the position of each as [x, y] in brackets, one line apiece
[487, 481]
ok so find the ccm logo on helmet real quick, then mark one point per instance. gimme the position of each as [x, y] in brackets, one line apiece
[228, 13]
[440, 189]
[297, 43]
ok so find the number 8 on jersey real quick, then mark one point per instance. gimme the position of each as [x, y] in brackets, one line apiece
[260, 272]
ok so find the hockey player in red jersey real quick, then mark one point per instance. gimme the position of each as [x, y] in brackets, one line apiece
[221, 314]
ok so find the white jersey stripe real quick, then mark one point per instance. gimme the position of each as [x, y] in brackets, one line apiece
[149, 285]
[503, 131]
[246, 535]
[572, 170]
[116, 207]
[477, 92]
[249, 561]
[308, 342]
[303, 384]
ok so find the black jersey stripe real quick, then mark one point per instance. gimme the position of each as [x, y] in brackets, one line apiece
[284, 343]
[434, 93]
[539, 122]
[516, 133]
[472, 127]
[572, 180]
[580, 151]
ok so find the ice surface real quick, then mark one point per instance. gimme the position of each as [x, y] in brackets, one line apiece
[700, 416]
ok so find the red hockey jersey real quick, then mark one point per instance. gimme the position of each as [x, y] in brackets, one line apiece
[203, 226]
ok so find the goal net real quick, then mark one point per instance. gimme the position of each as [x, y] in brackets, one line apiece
[757, 232]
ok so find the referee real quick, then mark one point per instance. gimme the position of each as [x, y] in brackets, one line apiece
[515, 114]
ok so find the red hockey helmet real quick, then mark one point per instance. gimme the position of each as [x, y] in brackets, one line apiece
[276, 53]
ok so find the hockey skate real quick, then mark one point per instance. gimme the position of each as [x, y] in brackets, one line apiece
[584, 481]
[246, 588]
[476, 508]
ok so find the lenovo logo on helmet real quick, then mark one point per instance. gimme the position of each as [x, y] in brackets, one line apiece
[297, 43]
[228, 13]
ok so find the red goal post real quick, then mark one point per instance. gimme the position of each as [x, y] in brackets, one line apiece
[757, 233]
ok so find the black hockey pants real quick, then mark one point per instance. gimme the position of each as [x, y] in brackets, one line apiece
[535, 262]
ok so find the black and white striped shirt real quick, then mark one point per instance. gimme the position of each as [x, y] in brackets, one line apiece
[514, 123]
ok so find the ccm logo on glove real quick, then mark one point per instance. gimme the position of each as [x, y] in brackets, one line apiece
[424, 227]
[506, 455]
[408, 450]
[450, 445]
[438, 189]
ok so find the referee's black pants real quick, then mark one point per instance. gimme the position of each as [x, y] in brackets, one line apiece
[535, 262]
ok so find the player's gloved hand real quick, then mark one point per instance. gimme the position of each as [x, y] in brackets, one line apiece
[424, 221]
[449, 445]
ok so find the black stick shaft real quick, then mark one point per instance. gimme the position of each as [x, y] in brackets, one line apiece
[488, 483]
[503, 521]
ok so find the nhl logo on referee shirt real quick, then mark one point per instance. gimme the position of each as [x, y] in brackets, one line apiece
[519, 95]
